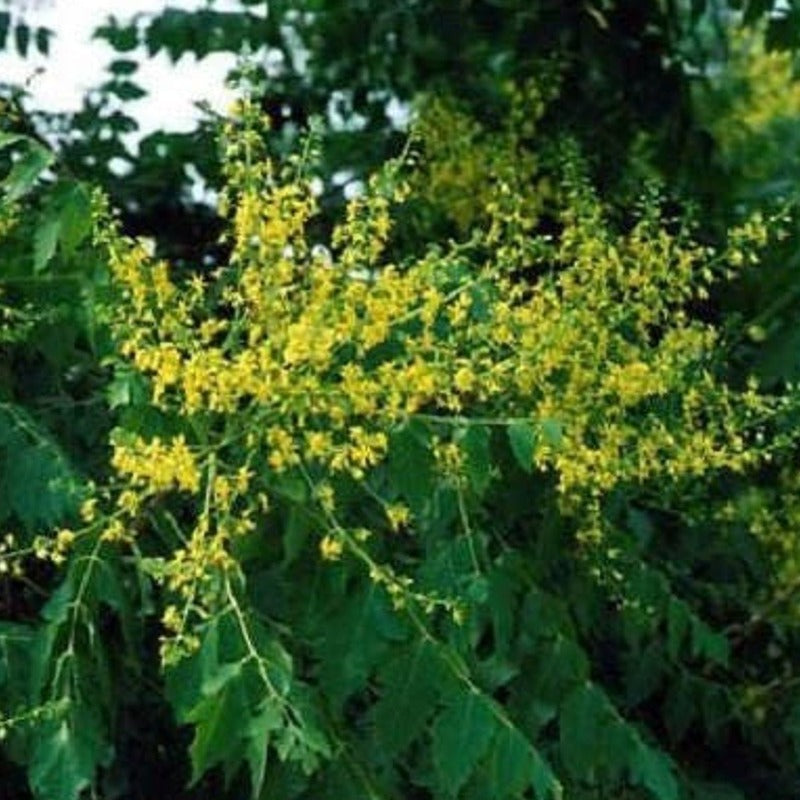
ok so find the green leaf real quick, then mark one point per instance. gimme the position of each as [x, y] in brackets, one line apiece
[26, 171]
[215, 691]
[306, 742]
[552, 432]
[67, 754]
[295, 533]
[126, 388]
[522, 438]
[677, 626]
[293, 488]
[680, 708]
[45, 240]
[5, 26]
[556, 667]
[584, 716]
[595, 741]
[279, 668]
[515, 766]
[708, 644]
[645, 673]
[509, 763]
[503, 597]
[43, 40]
[16, 649]
[125, 90]
[268, 718]
[22, 38]
[652, 769]
[408, 694]
[121, 38]
[37, 484]
[186, 680]
[462, 734]
[411, 465]
[123, 66]
[351, 642]
[75, 213]
[110, 587]
[474, 442]
[10, 139]
[216, 718]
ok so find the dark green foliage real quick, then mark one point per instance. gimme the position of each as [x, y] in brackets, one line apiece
[38, 486]
[14, 28]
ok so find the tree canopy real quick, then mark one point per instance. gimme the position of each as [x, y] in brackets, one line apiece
[448, 450]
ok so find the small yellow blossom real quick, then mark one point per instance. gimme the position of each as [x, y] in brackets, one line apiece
[115, 531]
[325, 496]
[331, 548]
[171, 619]
[64, 539]
[398, 515]
[88, 511]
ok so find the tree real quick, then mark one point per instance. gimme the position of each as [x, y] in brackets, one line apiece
[458, 487]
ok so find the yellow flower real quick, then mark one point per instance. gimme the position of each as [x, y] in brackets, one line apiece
[171, 619]
[64, 539]
[464, 379]
[398, 515]
[89, 509]
[331, 548]
[129, 501]
[222, 491]
[115, 532]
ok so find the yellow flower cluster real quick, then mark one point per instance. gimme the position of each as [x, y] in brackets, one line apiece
[157, 466]
[300, 361]
[464, 166]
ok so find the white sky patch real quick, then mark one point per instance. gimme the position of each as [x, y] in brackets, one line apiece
[76, 63]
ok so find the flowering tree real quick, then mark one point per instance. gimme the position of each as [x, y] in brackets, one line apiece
[392, 514]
